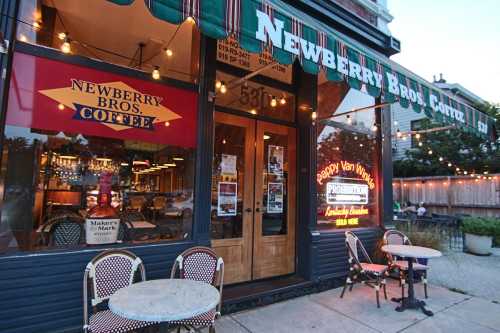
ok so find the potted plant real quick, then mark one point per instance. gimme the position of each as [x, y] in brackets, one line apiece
[479, 233]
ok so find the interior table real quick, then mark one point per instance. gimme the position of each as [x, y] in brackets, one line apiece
[410, 253]
[164, 300]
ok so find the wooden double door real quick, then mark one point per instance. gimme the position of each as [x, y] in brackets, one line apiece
[253, 197]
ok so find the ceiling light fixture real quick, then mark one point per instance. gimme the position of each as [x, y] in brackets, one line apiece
[156, 73]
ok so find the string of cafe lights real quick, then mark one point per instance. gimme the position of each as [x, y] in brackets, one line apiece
[457, 169]
[67, 41]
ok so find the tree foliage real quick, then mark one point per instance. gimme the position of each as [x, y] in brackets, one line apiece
[465, 151]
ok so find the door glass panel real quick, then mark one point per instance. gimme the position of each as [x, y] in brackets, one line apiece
[274, 192]
[228, 181]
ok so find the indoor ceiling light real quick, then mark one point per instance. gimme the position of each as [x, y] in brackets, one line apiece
[283, 101]
[223, 88]
[169, 52]
[62, 35]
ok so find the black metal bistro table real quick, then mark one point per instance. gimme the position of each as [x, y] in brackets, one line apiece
[410, 253]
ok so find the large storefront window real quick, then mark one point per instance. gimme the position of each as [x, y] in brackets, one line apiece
[128, 36]
[70, 130]
[347, 158]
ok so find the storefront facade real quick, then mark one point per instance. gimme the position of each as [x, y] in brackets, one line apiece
[237, 126]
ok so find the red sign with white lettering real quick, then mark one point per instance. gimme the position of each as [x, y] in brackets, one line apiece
[51, 95]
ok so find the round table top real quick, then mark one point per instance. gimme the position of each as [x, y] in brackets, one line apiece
[164, 300]
[410, 251]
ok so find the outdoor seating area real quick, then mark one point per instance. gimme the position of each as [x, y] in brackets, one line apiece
[190, 299]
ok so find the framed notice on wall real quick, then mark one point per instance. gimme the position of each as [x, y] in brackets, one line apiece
[227, 199]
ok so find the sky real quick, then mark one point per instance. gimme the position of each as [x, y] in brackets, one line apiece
[459, 38]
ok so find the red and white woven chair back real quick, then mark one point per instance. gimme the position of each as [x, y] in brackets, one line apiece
[199, 264]
[110, 271]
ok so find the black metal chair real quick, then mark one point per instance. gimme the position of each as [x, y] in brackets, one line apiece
[373, 275]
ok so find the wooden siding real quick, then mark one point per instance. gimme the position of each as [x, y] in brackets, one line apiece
[43, 292]
[332, 253]
[452, 195]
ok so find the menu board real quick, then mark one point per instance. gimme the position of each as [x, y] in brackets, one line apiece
[229, 52]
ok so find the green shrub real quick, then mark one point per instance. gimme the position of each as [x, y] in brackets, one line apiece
[481, 226]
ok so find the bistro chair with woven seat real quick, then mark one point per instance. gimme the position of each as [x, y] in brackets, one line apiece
[104, 275]
[394, 237]
[66, 230]
[366, 272]
[200, 264]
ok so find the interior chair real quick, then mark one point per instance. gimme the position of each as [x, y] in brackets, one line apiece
[200, 264]
[65, 230]
[366, 272]
[394, 237]
[104, 275]
[137, 203]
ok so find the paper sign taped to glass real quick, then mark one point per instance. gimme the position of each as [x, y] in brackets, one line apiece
[227, 199]
[346, 193]
[275, 160]
[275, 198]
[228, 165]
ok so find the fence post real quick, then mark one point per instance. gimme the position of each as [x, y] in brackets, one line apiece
[449, 195]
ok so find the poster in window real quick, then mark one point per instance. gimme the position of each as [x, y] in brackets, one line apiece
[275, 198]
[228, 165]
[275, 160]
[227, 199]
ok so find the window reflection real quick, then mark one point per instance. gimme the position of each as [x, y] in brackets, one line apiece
[54, 177]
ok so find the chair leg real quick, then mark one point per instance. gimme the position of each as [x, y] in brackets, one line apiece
[424, 280]
[347, 282]
[211, 329]
[377, 292]
[402, 288]
[384, 285]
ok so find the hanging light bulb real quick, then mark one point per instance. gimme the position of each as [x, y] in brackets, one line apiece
[169, 52]
[398, 133]
[420, 144]
[429, 152]
[223, 88]
[224, 141]
[66, 46]
[465, 172]
[449, 164]
[283, 101]
[440, 159]
[218, 84]
[37, 25]
[349, 120]
[404, 138]
[62, 35]
[274, 102]
[156, 73]
[374, 127]
[417, 136]
[60, 106]
[253, 111]
[167, 123]
[457, 169]
[314, 115]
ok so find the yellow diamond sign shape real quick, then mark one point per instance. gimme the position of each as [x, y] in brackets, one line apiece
[113, 104]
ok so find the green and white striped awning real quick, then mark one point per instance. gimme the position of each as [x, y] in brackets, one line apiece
[290, 34]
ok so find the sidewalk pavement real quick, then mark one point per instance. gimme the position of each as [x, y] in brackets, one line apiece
[358, 312]
[474, 275]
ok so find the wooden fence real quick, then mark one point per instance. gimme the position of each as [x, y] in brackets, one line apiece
[452, 195]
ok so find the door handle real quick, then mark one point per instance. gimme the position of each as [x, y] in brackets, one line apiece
[257, 209]
[248, 210]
